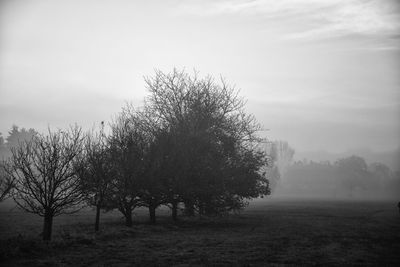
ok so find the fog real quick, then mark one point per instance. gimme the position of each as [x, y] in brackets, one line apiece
[311, 180]
[199, 132]
[351, 176]
[321, 75]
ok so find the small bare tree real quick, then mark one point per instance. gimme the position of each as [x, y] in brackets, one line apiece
[46, 182]
[95, 172]
[128, 142]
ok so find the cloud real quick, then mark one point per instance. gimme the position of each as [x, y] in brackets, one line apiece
[324, 19]
[368, 18]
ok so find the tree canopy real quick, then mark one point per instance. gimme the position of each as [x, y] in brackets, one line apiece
[218, 164]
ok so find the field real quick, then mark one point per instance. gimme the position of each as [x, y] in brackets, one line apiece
[271, 232]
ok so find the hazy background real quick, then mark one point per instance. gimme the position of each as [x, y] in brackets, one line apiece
[323, 75]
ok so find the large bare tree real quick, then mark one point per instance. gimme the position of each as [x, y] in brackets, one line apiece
[46, 182]
[212, 163]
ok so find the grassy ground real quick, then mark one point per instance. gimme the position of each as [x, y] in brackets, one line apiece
[267, 233]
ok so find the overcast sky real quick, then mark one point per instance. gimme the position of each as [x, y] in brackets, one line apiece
[323, 75]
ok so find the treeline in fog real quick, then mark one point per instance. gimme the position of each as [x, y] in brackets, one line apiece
[15, 136]
[347, 178]
[191, 147]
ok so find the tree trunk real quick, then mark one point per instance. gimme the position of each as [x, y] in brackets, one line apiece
[174, 210]
[97, 223]
[128, 218]
[152, 211]
[48, 225]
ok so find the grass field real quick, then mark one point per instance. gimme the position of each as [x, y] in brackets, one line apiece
[266, 233]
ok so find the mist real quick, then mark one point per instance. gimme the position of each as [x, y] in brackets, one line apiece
[352, 175]
[199, 132]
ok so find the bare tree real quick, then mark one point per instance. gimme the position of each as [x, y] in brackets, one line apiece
[46, 182]
[211, 141]
[128, 142]
[95, 172]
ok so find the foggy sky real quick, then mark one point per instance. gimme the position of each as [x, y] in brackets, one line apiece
[323, 75]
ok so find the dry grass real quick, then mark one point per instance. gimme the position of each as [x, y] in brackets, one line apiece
[268, 233]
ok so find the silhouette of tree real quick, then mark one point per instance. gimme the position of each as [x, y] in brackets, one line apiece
[95, 172]
[353, 172]
[152, 184]
[128, 144]
[16, 135]
[46, 182]
[280, 158]
[1, 140]
[380, 171]
[284, 155]
[209, 130]
[3, 148]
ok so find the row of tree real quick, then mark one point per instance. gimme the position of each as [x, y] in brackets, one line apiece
[191, 146]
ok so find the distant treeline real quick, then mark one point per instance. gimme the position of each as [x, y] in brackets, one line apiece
[15, 136]
[349, 177]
